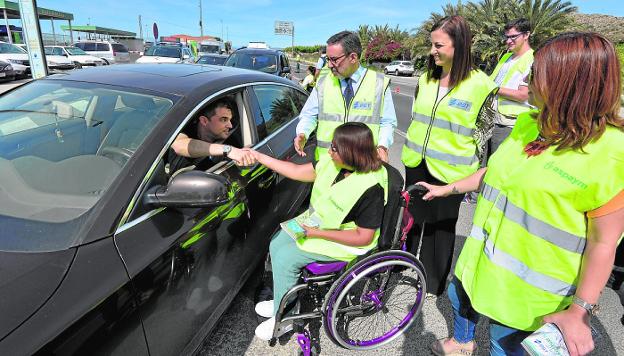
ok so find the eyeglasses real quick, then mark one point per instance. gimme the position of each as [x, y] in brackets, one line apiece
[332, 147]
[513, 37]
[335, 60]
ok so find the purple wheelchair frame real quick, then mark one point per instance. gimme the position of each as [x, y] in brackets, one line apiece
[324, 273]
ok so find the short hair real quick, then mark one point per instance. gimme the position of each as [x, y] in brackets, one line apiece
[522, 25]
[212, 108]
[577, 75]
[349, 41]
[355, 144]
[311, 69]
[456, 27]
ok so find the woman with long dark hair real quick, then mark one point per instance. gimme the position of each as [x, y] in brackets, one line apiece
[551, 207]
[445, 139]
[347, 202]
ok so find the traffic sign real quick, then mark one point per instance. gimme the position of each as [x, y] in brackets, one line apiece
[284, 28]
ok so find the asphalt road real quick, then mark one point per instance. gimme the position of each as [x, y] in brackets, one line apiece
[234, 335]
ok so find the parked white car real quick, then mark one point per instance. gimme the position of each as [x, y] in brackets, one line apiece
[167, 54]
[110, 52]
[399, 67]
[77, 56]
[17, 57]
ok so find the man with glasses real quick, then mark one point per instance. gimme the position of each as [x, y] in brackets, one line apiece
[511, 75]
[347, 92]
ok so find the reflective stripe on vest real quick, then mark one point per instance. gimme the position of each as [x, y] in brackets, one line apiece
[442, 129]
[521, 65]
[523, 257]
[332, 202]
[365, 106]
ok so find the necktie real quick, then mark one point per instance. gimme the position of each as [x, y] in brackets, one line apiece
[348, 92]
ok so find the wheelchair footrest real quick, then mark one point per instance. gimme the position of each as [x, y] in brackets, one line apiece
[304, 342]
[325, 267]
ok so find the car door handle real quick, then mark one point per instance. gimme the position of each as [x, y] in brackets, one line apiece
[266, 182]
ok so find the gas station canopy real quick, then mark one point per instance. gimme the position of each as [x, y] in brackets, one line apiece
[12, 12]
[99, 30]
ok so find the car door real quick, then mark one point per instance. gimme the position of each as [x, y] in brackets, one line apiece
[276, 109]
[187, 264]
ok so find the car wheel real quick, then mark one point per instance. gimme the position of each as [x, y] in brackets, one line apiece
[396, 72]
[77, 65]
[385, 71]
[105, 62]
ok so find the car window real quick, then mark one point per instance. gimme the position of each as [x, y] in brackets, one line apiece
[102, 47]
[163, 51]
[86, 46]
[62, 144]
[284, 61]
[118, 47]
[211, 60]
[278, 105]
[9, 48]
[258, 61]
[57, 51]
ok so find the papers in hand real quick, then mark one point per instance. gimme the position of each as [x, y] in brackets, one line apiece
[548, 341]
[293, 227]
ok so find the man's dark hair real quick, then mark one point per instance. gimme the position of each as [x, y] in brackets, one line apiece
[355, 144]
[522, 25]
[212, 108]
[349, 41]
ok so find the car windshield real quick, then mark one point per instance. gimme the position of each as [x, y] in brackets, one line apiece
[211, 60]
[49, 51]
[164, 51]
[62, 144]
[262, 62]
[75, 51]
[9, 48]
[209, 48]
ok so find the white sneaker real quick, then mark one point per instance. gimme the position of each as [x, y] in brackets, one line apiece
[264, 331]
[265, 309]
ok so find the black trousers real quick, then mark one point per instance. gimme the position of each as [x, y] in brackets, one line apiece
[439, 217]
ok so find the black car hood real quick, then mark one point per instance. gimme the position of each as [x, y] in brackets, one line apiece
[27, 280]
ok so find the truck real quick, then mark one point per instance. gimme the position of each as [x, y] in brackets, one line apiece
[211, 47]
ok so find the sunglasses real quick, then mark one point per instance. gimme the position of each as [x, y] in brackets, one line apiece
[332, 147]
[513, 37]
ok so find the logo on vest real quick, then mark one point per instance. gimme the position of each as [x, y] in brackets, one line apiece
[460, 104]
[362, 105]
[565, 175]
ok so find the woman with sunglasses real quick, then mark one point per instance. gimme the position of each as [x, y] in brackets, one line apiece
[347, 202]
[551, 207]
[451, 114]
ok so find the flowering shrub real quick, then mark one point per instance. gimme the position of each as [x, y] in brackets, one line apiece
[381, 48]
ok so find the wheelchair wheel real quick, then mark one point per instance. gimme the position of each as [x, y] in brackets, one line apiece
[375, 301]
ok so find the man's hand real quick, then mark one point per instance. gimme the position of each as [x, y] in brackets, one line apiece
[299, 142]
[242, 157]
[383, 153]
[574, 325]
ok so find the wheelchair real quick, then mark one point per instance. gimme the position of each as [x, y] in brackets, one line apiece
[365, 303]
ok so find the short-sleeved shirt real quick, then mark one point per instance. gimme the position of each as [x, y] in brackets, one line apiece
[613, 205]
[367, 211]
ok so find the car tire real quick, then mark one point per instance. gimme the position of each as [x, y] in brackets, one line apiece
[77, 65]
[396, 72]
[385, 71]
[105, 62]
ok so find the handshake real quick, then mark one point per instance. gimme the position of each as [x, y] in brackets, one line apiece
[245, 157]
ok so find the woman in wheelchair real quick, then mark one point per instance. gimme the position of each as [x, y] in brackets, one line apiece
[347, 202]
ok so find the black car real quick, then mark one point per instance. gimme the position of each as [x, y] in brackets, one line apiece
[216, 59]
[6, 72]
[105, 248]
[271, 61]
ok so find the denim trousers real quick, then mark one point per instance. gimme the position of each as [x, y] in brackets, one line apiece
[287, 260]
[503, 339]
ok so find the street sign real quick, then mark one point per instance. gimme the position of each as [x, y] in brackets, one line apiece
[32, 35]
[155, 30]
[284, 28]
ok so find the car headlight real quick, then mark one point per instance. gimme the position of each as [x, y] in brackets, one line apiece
[52, 63]
[8, 67]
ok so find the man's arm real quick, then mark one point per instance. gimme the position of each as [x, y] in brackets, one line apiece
[308, 118]
[193, 148]
[520, 95]
[387, 125]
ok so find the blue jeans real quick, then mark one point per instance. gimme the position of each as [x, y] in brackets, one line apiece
[503, 340]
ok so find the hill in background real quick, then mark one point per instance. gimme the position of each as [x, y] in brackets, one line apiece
[609, 26]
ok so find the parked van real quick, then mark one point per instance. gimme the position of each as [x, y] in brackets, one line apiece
[110, 52]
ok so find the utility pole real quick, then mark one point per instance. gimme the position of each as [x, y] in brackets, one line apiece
[221, 29]
[292, 46]
[201, 25]
[140, 28]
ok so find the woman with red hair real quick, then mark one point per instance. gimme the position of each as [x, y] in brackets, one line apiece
[551, 207]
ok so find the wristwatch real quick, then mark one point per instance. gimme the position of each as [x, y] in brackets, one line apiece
[226, 150]
[592, 309]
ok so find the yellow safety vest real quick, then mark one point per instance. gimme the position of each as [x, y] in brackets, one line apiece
[442, 133]
[509, 107]
[522, 259]
[366, 106]
[332, 202]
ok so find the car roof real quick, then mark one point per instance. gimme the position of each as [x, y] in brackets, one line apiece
[214, 55]
[174, 78]
[259, 50]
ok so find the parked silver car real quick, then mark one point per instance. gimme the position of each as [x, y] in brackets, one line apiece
[110, 52]
[399, 67]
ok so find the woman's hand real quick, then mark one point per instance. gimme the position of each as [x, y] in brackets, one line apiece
[435, 191]
[309, 230]
[574, 325]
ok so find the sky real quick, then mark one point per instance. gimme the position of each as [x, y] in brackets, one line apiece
[241, 21]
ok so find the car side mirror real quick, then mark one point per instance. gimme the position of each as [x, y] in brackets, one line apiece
[191, 189]
[186, 56]
[65, 55]
[286, 70]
